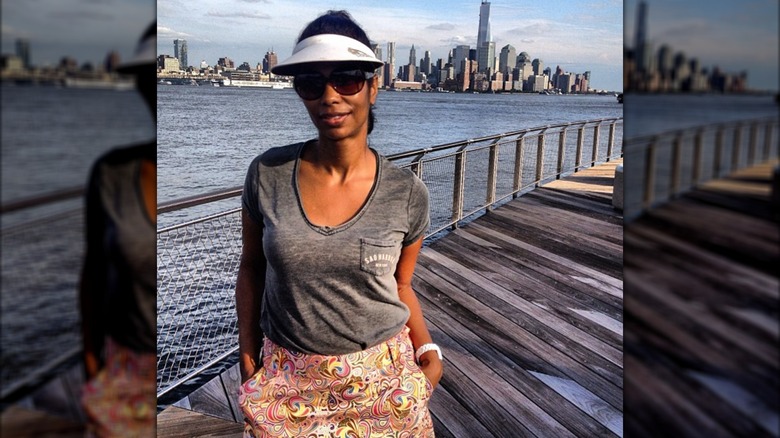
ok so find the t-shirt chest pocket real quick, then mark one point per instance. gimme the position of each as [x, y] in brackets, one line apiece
[378, 257]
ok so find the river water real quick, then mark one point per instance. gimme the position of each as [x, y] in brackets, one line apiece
[50, 138]
[208, 135]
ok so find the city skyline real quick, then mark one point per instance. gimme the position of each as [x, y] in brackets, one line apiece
[85, 30]
[578, 39]
[733, 36]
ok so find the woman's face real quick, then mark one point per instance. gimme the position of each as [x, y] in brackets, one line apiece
[340, 117]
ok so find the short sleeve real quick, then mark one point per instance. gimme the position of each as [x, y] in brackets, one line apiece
[250, 197]
[419, 216]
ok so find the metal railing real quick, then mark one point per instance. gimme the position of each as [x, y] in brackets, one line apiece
[42, 241]
[197, 261]
[660, 167]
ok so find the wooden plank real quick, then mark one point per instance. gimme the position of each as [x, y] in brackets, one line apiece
[231, 380]
[555, 298]
[23, 423]
[211, 399]
[717, 269]
[505, 411]
[554, 268]
[582, 235]
[599, 227]
[606, 282]
[538, 349]
[175, 422]
[602, 261]
[451, 418]
[538, 315]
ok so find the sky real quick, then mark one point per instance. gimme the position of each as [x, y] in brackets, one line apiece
[574, 34]
[86, 30]
[734, 35]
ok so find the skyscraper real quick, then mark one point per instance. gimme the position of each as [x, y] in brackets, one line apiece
[483, 34]
[426, 63]
[23, 51]
[486, 52]
[390, 65]
[269, 61]
[642, 48]
[180, 52]
[380, 72]
[460, 54]
[506, 61]
[413, 56]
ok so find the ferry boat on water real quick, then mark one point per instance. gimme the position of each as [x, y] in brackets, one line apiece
[99, 83]
[253, 83]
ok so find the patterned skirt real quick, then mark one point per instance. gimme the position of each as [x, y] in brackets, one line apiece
[121, 400]
[377, 392]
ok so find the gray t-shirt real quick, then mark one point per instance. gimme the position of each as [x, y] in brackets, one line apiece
[331, 290]
[121, 240]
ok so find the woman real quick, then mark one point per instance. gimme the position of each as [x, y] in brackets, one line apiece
[331, 235]
[119, 277]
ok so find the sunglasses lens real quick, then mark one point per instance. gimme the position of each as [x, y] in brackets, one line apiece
[311, 86]
[348, 83]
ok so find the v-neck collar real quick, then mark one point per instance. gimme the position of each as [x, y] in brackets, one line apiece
[325, 229]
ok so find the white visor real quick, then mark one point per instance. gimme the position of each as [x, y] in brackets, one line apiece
[326, 48]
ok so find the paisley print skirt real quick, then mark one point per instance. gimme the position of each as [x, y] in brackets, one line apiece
[378, 392]
[121, 400]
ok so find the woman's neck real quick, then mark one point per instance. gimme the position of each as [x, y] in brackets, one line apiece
[339, 158]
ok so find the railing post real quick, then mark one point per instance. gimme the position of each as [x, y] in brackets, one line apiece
[561, 149]
[580, 142]
[752, 144]
[649, 194]
[676, 165]
[736, 148]
[717, 163]
[611, 140]
[539, 157]
[768, 140]
[416, 165]
[517, 183]
[595, 144]
[458, 186]
[697, 163]
[492, 174]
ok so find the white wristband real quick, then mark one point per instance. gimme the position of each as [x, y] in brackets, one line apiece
[426, 348]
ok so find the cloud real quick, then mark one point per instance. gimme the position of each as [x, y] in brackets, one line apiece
[252, 15]
[165, 32]
[442, 26]
[81, 15]
[268, 2]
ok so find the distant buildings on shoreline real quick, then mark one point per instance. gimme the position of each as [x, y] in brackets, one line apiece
[17, 68]
[647, 70]
[466, 69]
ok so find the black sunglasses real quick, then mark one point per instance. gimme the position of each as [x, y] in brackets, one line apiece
[311, 86]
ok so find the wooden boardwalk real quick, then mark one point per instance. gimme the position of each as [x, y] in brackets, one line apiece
[701, 309]
[526, 303]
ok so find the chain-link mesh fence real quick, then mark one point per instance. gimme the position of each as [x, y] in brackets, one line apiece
[661, 166]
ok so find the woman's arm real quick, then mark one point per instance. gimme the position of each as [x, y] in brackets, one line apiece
[429, 362]
[92, 285]
[249, 296]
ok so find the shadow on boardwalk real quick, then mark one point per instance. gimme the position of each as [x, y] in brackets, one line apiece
[701, 309]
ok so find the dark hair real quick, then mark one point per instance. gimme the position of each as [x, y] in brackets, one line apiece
[340, 23]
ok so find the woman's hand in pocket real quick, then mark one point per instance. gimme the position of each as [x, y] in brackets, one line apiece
[249, 367]
[432, 367]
